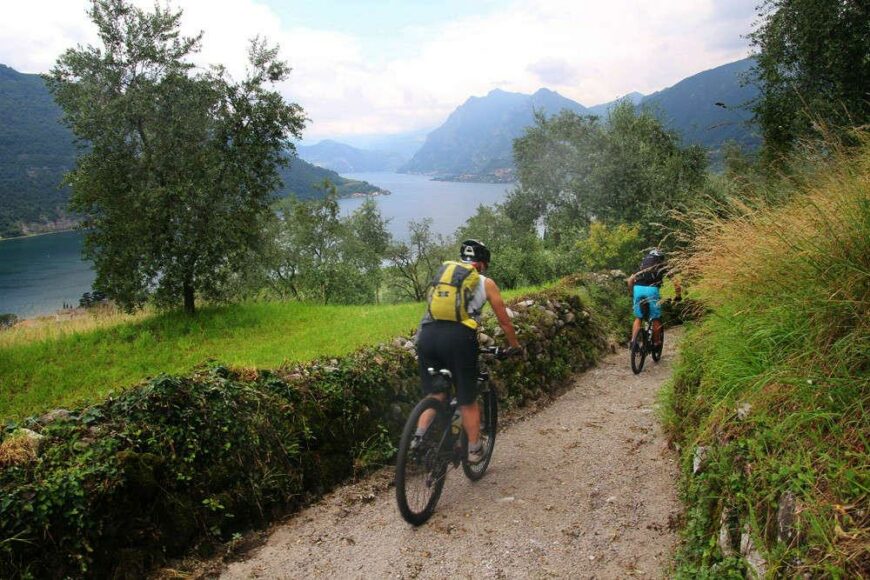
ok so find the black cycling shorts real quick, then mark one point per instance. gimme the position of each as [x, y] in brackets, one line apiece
[452, 346]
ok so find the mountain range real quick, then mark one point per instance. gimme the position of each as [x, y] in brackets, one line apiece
[36, 149]
[348, 159]
[476, 141]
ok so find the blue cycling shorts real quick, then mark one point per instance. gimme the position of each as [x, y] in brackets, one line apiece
[651, 293]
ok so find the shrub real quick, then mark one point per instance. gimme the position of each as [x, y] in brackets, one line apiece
[606, 247]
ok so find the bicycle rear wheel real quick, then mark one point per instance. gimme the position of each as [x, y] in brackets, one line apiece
[488, 402]
[421, 466]
[638, 352]
[657, 350]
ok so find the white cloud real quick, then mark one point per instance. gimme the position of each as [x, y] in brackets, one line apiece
[589, 51]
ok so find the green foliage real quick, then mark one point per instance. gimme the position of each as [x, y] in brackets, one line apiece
[606, 247]
[7, 320]
[519, 257]
[177, 461]
[813, 62]
[574, 169]
[318, 256]
[775, 381]
[181, 166]
[413, 263]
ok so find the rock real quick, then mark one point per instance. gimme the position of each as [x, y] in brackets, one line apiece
[511, 313]
[409, 345]
[20, 448]
[786, 514]
[498, 331]
[726, 544]
[55, 415]
[570, 317]
[698, 459]
[560, 323]
[757, 563]
[485, 339]
[743, 411]
[398, 342]
[525, 304]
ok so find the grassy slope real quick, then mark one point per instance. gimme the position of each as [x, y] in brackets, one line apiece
[776, 382]
[61, 370]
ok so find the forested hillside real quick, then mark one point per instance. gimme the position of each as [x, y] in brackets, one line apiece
[710, 108]
[36, 149]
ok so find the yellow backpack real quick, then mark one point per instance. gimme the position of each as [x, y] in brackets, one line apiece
[452, 287]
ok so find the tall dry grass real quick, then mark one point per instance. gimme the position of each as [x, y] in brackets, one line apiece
[68, 322]
[810, 253]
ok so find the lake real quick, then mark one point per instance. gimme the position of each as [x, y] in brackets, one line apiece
[38, 275]
[415, 197]
[41, 273]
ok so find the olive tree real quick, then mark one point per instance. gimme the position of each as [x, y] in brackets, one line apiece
[178, 164]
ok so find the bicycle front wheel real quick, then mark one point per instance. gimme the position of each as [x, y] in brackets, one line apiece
[638, 352]
[488, 402]
[421, 466]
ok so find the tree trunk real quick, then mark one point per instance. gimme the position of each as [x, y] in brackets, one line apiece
[189, 306]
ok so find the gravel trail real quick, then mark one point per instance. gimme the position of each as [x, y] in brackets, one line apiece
[585, 488]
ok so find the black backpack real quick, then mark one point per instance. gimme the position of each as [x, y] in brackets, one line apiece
[652, 271]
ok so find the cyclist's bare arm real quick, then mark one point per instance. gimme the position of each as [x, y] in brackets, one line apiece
[495, 300]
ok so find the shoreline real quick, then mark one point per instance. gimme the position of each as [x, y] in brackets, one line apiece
[36, 235]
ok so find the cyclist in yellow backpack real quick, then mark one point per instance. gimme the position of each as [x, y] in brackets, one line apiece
[448, 333]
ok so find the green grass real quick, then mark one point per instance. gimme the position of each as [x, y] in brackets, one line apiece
[84, 366]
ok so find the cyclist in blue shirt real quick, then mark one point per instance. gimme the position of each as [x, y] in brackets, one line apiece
[645, 284]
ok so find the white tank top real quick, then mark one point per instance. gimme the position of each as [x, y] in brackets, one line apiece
[478, 300]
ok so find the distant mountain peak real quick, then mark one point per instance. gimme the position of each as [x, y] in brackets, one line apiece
[545, 91]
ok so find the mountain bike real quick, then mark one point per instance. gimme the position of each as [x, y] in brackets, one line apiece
[643, 344]
[424, 460]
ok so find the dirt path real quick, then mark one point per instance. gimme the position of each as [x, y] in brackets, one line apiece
[583, 489]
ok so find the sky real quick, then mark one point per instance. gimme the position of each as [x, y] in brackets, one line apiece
[383, 67]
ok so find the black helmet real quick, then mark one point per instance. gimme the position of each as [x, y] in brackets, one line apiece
[473, 251]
